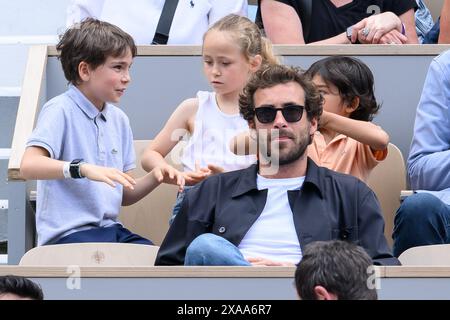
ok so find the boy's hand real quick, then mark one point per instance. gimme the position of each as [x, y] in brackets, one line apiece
[107, 175]
[170, 175]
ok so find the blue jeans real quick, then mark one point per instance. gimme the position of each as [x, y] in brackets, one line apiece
[115, 233]
[421, 220]
[211, 250]
[432, 36]
[177, 206]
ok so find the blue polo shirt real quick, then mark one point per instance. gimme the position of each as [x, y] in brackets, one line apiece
[71, 127]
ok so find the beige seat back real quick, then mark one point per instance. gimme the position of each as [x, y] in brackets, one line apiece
[433, 255]
[150, 216]
[91, 254]
[387, 180]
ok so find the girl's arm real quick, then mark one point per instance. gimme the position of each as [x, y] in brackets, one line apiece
[175, 128]
[362, 131]
[150, 181]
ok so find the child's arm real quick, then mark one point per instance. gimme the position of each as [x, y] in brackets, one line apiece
[37, 165]
[150, 181]
[170, 135]
[362, 131]
[179, 123]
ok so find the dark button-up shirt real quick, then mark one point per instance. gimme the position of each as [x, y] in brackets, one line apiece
[329, 206]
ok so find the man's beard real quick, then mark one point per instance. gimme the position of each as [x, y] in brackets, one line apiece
[279, 157]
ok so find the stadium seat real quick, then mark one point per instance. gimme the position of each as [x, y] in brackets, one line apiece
[91, 254]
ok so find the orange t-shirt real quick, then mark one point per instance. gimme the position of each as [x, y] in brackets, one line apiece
[345, 155]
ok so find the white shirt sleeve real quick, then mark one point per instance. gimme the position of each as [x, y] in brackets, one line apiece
[79, 10]
[221, 8]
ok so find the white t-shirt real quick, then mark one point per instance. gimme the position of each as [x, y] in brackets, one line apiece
[273, 235]
[213, 131]
[139, 18]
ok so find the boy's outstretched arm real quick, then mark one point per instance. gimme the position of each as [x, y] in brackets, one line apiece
[37, 165]
[362, 131]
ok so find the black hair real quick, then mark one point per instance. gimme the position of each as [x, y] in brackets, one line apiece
[341, 267]
[352, 78]
[21, 287]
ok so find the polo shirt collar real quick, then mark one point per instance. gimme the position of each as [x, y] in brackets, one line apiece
[247, 180]
[85, 105]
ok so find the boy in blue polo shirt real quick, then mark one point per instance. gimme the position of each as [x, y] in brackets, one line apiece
[79, 135]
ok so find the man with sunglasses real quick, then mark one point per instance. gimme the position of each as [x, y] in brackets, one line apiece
[266, 214]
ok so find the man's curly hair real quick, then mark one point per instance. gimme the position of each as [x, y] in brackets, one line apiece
[273, 75]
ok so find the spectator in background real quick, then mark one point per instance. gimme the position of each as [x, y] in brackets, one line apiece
[424, 20]
[192, 17]
[444, 35]
[338, 21]
[19, 288]
[423, 218]
[440, 32]
[335, 270]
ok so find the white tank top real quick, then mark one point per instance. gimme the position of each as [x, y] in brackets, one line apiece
[210, 141]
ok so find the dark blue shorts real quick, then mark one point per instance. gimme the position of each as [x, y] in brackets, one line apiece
[115, 233]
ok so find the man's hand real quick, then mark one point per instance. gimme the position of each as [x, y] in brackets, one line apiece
[107, 175]
[269, 263]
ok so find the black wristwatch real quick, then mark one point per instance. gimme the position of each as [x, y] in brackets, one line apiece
[75, 172]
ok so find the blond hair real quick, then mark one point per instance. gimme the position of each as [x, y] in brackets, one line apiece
[248, 36]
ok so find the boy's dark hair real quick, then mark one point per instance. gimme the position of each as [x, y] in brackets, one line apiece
[91, 41]
[273, 75]
[352, 78]
[21, 287]
[340, 267]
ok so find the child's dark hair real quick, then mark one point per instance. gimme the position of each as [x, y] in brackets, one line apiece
[21, 287]
[91, 41]
[352, 78]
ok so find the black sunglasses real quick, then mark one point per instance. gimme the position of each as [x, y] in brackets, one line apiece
[267, 114]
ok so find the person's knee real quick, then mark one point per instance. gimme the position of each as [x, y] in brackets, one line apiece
[203, 245]
[419, 207]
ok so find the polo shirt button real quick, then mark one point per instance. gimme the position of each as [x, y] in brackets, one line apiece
[222, 230]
